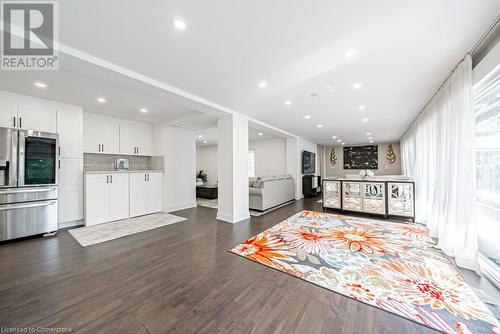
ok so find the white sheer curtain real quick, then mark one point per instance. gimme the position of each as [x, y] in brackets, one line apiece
[438, 152]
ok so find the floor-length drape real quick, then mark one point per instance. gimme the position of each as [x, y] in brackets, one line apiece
[438, 153]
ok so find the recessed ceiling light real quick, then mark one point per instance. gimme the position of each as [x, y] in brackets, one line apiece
[351, 53]
[288, 103]
[338, 141]
[179, 24]
[200, 136]
[307, 116]
[343, 143]
[357, 85]
[362, 107]
[40, 84]
[371, 141]
[262, 84]
[370, 138]
[334, 137]
[101, 100]
[368, 133]
[329, 88]
[365, 120]
[204, 142]
[261, 134]
[319, 125]
[144, 110]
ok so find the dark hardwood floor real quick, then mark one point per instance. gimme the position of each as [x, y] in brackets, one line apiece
[175, 279]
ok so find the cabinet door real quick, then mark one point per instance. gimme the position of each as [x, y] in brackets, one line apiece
[37, 118]
[352, 196]
[91, 131]
[374, 197]
[128, 138]
[70, 130]
[145, 139]
[138, 194]
[70, 190]
[401, 199]
[8, 112]
[96, 199]
[118, 196]
[155, 192]
[331, 194]
[109, 134]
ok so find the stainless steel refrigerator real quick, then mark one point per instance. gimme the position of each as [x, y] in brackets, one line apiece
[28, 183]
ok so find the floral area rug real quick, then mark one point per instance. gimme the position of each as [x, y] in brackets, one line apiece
[392, 266]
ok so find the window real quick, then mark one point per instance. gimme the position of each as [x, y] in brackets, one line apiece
[487, 144]
[251, 164]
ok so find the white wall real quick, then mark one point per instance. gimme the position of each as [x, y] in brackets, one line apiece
[178, 147]
[206, 159]
[384, 168]
[270, 156]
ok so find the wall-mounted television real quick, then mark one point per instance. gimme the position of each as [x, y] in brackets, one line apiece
[361, 157]
[308, 162]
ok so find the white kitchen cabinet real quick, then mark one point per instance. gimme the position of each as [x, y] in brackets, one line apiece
[136, 138]
[146, 193]
[39, 118]
[118, 196]
[138, 194]
[101, 134]
[70, 130]
[106, 197]
[8, 115]
[70, 190]
[96, 199]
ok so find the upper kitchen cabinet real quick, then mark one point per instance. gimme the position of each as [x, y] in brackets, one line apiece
[101, 134]
[136, 138]
[8, 115]
[39, 118]
[70, 130]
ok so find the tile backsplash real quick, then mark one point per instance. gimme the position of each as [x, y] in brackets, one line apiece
[105, 162]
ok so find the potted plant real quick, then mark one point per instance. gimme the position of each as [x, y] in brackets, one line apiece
[202, 176]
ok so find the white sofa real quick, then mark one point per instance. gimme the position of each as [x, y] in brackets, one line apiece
[267, 192]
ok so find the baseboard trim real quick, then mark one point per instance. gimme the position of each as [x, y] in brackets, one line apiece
[71, 224]
[233, 220]
[180, 207]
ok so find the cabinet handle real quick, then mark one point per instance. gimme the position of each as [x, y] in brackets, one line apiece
[20, 122]
[107, 178]
[59, 164]
[59, 150]
[103, 147]
[111, 177]
[137, 149]
[148, 177]
[145, 177]
[14, 121]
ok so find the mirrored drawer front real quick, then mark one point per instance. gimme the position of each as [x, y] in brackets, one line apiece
[374, 198]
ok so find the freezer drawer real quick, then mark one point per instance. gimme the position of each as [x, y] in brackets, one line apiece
[24, 219]
[27, 194]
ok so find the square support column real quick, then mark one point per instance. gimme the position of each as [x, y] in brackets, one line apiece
[232, 160]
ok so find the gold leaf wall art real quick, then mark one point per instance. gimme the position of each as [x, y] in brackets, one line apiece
[391, 156]
[333, 157]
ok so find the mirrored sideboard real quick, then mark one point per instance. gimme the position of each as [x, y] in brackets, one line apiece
[383, 197]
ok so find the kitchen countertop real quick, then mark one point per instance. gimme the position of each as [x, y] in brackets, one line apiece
[122, 171]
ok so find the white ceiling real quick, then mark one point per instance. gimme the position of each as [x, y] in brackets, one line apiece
[207, 137]
[405, 50]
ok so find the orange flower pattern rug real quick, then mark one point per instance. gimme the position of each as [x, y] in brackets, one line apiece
[392, 266]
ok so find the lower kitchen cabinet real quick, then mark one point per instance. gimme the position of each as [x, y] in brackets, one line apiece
[146, 193]
[106, 197]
